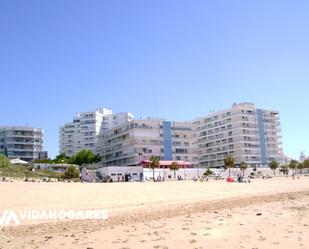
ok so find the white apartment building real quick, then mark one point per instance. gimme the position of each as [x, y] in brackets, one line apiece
[86, 126]
[21, 142]
[130, 143]
[249, 134]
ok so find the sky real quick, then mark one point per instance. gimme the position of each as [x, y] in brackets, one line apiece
[176, 59]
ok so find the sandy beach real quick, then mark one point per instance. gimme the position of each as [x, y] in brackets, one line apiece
[270, 213]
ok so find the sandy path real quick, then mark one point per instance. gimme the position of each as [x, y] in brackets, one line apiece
[181, 215]
[119, 197]
[281, 222]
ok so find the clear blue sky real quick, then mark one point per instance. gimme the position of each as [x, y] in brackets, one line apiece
[173, 59]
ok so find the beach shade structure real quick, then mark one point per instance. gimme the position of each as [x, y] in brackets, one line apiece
[167, 164]
[18, 161]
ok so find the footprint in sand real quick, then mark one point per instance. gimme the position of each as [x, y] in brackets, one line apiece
[133, 235]
[160, 246]
[116, 241]
[158, 239]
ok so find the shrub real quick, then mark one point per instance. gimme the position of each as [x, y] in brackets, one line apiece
[4, 161]
[71, 172]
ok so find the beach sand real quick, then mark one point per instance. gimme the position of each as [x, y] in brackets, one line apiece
[270, 213]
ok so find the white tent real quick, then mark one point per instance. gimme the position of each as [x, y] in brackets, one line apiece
[18, 161]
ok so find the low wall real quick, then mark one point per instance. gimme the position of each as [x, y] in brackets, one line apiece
[138, 173]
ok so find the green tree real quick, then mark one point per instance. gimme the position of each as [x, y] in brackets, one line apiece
[84, 157]
[243, 167]
[71, 172]
[300, 167]
[229, 162]
[61, 158]
[154, 162]
[97, 158]
[273, 166]
[174, 166]
[293, 166]
[306, 164]
[4, 161]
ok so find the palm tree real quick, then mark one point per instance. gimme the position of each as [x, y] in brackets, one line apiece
[154, 162]
[300, 166]
[292, 166]
[208, 172]
[229, 162]
[174, 166]
[243, 166]
[274, 165]
[306, 164]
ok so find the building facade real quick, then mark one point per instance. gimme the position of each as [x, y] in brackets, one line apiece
[25, 143]
[137, 140]
[249, 134]
[86, 126]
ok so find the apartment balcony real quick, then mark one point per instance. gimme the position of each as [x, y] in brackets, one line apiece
[22, 136]
[20, 142]
[23, 146]
[28, 154]
[278, 130]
